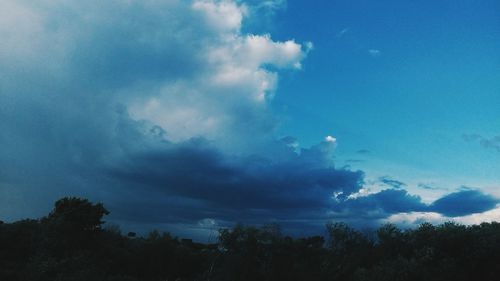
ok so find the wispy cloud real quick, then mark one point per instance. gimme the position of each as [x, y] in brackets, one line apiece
[489, 143]
[391, 182]
[374, 52]
[343, 32]
[354, 161]
[429, 186]
[363, 151]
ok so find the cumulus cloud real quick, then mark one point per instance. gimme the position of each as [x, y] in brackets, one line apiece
[397, 205]
[159, 109]
[187, 67]
[224, 15]
[233, 88]
[330, 139]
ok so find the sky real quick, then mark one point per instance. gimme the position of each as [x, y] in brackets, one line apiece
[190, 116]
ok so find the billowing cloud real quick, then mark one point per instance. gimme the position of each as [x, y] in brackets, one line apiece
[160, 109]
[252, 188]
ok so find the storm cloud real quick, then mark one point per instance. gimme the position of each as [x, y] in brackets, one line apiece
[161, 109]
[156, 103]
[464, 202]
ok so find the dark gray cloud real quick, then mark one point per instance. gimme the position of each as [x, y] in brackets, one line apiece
[392, 201]
[143, 177]
[237, 188]
[464, 202]
[382, 204]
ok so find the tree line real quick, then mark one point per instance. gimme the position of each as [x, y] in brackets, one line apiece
[71, 244]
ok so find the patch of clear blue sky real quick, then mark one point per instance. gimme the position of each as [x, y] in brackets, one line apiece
[433, 74]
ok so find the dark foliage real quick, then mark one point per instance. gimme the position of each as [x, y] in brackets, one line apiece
[70, 244]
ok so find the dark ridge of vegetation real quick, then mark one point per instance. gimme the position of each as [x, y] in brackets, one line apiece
[70, 245]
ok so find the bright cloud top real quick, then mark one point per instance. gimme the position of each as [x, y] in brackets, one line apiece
[186, 67]
[235, 78]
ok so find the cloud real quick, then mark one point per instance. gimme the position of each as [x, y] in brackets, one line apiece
[464, 202]
[343, 32]
[398, 205]
[187, 67]
[429, 186]
[374, 52]
[272, 4]
[386, 180]
[381, 204]
[348, 161]
[411, 219]
[234, 89]
[225, 16]
[330, 139]
[160, 109]
[492, 143]
[363, 151]
[256, 189]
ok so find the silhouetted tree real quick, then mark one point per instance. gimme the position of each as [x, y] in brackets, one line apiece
[71, 244]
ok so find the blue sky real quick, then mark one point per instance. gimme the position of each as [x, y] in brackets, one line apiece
[193, 115]
[402, 79]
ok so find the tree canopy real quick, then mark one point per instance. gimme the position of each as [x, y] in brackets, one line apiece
[72, 243]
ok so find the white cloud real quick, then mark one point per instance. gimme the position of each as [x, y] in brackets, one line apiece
[186, 66]
[374, 52]
[363, 192]
[330, 139]
[413, 219]
[343, 32]
[488, 216]
[262, 50]
[234, 87]
[224, 15]
[76, 71]
[272, 4]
